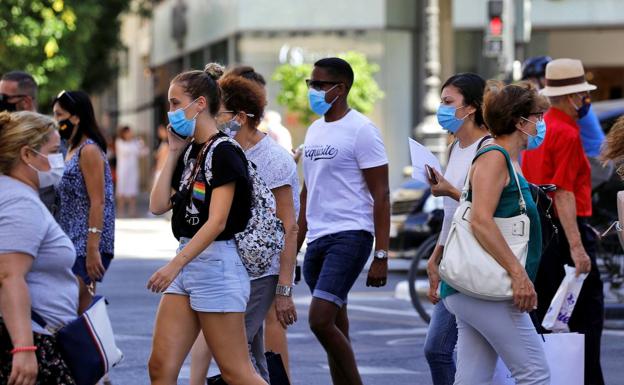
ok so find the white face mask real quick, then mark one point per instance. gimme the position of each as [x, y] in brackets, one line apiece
[53, 176]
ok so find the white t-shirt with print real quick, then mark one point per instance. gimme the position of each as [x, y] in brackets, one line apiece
[335, 153]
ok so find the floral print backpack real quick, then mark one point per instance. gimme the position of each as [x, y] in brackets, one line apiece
[263, 238]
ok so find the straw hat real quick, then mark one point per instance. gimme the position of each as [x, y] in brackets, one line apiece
[565, 77]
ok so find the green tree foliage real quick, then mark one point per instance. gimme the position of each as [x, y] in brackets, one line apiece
[64, 44]
[294, 93]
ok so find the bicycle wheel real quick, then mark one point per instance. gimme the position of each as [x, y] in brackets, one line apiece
[417, 280]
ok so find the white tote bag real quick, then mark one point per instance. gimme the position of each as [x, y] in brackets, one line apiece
[565, 354]
[468, 267]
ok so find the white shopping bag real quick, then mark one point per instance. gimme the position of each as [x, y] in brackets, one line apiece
[562, 305]
[565, 354]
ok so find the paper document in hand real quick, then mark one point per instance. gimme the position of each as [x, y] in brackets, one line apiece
[422, 156]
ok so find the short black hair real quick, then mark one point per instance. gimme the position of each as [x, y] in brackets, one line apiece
[338, 68]
[25, 82]
[472, 88]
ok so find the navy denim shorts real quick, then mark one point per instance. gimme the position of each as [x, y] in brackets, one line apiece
[333, 262]
[80, 267]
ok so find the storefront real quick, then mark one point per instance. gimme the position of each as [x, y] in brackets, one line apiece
[265, 34]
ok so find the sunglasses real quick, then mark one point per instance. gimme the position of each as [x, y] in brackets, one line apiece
[7, 97]
[318, 84]
[66, 94]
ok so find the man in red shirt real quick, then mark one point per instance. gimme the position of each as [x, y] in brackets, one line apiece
[561, 161]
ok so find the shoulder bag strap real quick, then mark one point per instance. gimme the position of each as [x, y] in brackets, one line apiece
[38, 319]
[510, 166]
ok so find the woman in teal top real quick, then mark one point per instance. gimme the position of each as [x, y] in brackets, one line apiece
[508, 207]
[489, 329]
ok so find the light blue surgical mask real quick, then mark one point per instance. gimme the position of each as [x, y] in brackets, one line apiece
[317, 100]
[448, 120]
[180, 125]
[536, 140]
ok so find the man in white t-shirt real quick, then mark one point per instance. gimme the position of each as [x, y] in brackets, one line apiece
[344, 201]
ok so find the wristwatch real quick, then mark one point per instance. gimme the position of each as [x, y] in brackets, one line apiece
[381, 254]
[94, 230]
[283, 290]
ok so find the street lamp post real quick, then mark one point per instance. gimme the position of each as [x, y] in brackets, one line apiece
[429, 131]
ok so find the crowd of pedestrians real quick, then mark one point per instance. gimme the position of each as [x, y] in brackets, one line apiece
[57, 214]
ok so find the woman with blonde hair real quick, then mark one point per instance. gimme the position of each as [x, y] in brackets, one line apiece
[36, 256]
[206, 286]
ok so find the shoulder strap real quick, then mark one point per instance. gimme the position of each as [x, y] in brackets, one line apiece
[209, 154]
[450, 149]
[38, 319]
[452, 145]
[482, 141]
[510, 168]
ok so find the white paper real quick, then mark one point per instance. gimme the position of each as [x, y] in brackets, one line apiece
[422, 156]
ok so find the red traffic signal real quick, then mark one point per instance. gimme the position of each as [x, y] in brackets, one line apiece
[495, 26]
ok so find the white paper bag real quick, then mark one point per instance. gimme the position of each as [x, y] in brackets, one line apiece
[562, 304]
[565, 355]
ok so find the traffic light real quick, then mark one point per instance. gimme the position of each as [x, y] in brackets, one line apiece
[495, 18]
[493, 42]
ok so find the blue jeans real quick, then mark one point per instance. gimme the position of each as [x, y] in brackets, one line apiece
[440, 344]
[333, 263]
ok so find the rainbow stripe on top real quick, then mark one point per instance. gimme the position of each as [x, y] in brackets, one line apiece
[199, 191]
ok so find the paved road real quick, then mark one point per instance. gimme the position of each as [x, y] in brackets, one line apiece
[387, 335]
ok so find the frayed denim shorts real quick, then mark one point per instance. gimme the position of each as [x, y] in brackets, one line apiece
[215, 281]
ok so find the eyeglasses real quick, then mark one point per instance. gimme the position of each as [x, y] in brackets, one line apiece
[234, 113]
[318, 84]
[66, 93]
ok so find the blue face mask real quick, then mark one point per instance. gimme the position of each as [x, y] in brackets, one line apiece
[448, 120]
[180, 125]
[536, 140]
[317, 101]
[584, 108]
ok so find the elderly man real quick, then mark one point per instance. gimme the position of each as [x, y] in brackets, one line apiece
[562, 161]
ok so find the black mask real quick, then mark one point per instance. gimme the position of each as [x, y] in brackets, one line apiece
[5, 105]
[66, 129]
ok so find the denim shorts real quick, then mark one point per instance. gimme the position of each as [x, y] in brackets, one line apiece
[80, 267]
[216, 280]
[333, 262]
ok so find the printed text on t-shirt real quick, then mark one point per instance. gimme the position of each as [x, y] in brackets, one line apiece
[318, 152]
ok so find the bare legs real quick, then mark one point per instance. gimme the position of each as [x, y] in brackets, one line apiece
[330, 324]
[200, 361]
[176, 329]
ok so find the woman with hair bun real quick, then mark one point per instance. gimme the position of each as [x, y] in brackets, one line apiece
[206, 286]
[244, 99]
